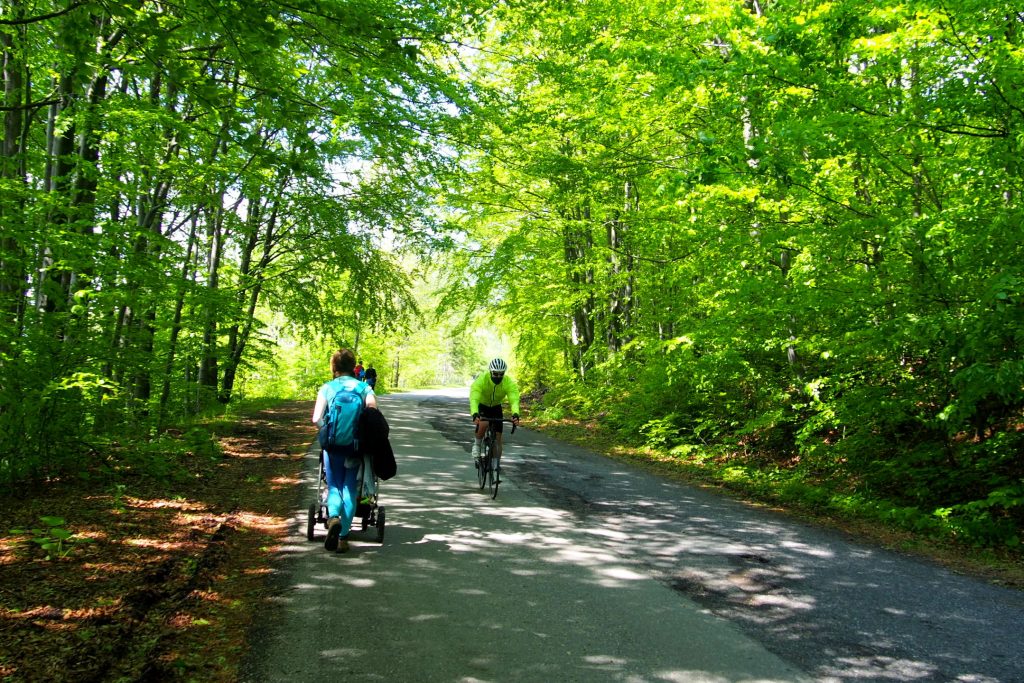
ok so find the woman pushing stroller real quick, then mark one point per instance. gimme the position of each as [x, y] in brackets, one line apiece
[339, 404]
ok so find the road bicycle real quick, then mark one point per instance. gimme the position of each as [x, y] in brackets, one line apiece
[488, 464]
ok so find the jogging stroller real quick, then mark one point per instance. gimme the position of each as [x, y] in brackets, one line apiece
[367, 511]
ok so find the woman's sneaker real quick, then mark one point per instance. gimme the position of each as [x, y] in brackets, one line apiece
[342, 545]
[333, 531]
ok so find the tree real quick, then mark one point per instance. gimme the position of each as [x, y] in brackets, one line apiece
[184, 168]
[790, 226]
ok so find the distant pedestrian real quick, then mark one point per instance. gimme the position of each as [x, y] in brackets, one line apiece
[370, 376]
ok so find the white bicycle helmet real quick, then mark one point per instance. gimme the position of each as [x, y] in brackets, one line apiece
[497, 366]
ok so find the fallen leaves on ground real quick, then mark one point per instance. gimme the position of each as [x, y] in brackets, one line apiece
[160, 577]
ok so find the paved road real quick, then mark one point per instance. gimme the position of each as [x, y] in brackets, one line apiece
[585, 569]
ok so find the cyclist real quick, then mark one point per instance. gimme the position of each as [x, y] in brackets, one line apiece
[486, 395]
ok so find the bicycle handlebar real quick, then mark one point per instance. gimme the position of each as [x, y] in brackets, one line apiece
[503, 419]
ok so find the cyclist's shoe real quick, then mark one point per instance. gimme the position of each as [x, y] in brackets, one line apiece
[476, 451]
[333, 530]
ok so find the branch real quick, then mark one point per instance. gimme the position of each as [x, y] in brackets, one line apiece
[43, 17]
[950, 129]
[830, 200]
[977, 56]
[30, 105]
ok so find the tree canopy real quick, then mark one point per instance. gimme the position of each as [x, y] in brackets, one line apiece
[788, 232]
[171, 170]
[775, 235]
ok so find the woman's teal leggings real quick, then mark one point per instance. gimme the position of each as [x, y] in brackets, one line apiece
[342, 472]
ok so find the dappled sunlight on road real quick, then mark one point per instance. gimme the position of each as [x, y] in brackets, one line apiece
[585, 569]
[554, 592]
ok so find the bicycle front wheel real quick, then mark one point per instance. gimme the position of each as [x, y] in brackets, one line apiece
[482, 465]
[492, 475]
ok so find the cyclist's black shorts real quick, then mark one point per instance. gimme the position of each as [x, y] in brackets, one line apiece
[492, 411]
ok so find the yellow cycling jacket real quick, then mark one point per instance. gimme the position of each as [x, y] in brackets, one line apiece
[485, 392]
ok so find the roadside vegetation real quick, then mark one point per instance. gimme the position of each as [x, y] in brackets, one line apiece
[131, 571]
[781, 487]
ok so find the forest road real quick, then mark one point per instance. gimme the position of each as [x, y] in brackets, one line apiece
[586, 569]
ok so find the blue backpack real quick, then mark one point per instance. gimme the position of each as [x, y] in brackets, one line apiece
[341, 418]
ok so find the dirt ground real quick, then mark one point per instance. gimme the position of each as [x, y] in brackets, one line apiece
[161, 576]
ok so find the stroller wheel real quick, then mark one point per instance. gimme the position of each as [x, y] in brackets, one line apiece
[380, 525]
[311, 521]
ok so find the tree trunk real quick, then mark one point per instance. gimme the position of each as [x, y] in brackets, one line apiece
[179, 305]
[58, 182]
[208, 366]
[620, 308]
[578, 245]
[246, 284]
[215, 238]
[251, 286]
[13, 272]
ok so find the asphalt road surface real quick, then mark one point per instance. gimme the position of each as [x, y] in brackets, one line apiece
[585, 569]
